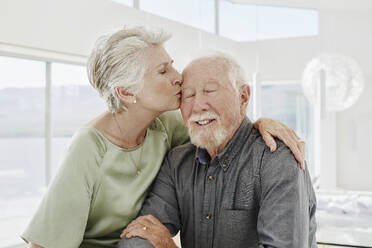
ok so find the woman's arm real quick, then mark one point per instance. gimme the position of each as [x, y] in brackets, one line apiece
[60, 220]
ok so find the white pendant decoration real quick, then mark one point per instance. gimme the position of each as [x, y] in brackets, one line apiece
[343, 80]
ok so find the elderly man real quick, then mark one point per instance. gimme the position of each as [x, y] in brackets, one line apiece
[226, 189]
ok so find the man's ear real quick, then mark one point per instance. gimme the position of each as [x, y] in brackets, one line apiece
[125, 96]
[244, 96]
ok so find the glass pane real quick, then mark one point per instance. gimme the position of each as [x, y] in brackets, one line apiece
[22, 105]
[196, 13]
[292, 108]
[125, 2]
[244, 22]
[237, 21]
[74, 103]
[276, 22]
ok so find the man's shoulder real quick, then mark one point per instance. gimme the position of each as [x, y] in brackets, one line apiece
[181, 154]
[282, 157]
[279, 165]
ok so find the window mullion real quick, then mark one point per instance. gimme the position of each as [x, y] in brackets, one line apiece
[217, 17]
[48, 122]
[136, 4]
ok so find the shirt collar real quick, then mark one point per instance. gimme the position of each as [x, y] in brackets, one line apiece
[203, 156]
[225, 157]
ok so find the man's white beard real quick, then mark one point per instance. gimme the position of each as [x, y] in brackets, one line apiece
[208, 137]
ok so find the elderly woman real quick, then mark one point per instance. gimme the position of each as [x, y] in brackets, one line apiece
[111, 161]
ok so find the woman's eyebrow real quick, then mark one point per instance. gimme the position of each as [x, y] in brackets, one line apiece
[166, 63]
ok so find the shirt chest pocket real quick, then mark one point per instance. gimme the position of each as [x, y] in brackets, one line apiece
[237, 228]
[240, 191]
[244, 197]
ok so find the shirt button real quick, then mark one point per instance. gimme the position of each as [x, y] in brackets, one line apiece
[208, 217]
[211, 178]
[224, 166]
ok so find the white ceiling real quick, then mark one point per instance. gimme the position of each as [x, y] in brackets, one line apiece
[339, 5]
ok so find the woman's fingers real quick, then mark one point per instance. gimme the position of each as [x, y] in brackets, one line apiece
[300, 143]
[291, 141]
[135, 224]
[138, 232]
[294, 133]
[143, 222]
[128, 229]
[269, 140]
[150, 228]
[302, 147]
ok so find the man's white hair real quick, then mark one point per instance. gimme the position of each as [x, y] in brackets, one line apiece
[236, 72]
[118, 61]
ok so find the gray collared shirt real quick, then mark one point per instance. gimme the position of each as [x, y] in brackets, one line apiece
[245, 197]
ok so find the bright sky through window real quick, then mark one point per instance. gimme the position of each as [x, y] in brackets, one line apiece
[196, 13]
[21, 73]
[246, 22]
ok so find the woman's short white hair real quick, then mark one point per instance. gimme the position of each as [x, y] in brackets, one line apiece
[118, 61]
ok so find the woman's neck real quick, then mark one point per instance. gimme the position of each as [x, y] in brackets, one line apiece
[128, 128]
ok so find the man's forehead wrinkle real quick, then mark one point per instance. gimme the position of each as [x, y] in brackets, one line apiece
[208, 61]
[205, 69]
[202, 71]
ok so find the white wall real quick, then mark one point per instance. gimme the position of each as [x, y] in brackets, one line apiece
[349, 33]
[354, 143]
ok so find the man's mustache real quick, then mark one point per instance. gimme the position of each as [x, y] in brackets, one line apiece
[203, 116]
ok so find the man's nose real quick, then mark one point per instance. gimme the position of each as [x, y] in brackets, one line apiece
[200, 104]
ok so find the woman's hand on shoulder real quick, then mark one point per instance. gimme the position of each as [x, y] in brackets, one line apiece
[270, 129]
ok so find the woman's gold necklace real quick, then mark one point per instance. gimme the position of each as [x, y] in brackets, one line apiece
[138, 170]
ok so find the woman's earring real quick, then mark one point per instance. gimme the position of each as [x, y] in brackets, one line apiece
[135, 101]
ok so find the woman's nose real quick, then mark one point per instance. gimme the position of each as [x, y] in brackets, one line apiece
[177, 82]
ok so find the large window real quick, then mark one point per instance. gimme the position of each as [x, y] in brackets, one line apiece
[24, 115]
[22, 94]
[247, 22]
[196, 13]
